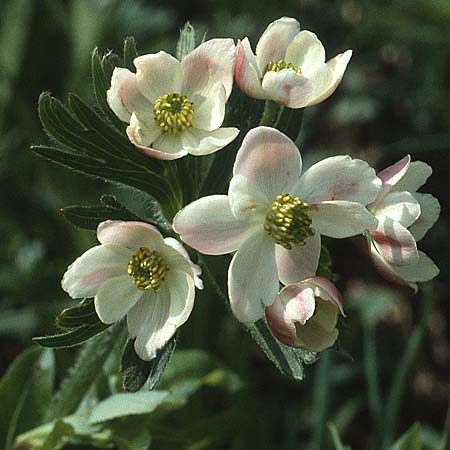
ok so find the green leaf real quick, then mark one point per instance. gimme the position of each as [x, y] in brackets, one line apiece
[186, 42]
[126, 404]
[71, 338]
[58, 436]
[411, 440]
[338, 445]
[129, 52]
[25, 392]
[136, 372]
[77, 316]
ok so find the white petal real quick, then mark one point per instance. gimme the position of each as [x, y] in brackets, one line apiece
[199, 142]
[158, 74]
[392, 175]
[300, 262]
[176, 263]
[416, 176]
[429, 214]
[288, 88]
[269, 160]
[148, 323]
[399, 206]
[209, 113]
[246, 202]
[422, 270]
[209, 226]
[115, 298]
[339, 178]
[210, 63]
[326, 290]
[124, 96]
[337, 67]
[275, 40]
[394, 242]
[341, 219]
[246, 72]
[383, 267]
[253, 278]
[170, 145]
[143, 130]
[131, 235]
[88, 272]
[306, 52]
[182, 293]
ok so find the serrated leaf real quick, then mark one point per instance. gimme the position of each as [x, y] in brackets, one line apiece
[186, 41]
[77, 316]
[129, 53]
[126, 404]
[136, 372]
[71, 338]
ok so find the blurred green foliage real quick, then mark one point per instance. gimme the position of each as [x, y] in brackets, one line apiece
[394, 349]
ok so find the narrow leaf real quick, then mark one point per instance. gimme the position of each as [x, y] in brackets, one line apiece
[129, 52]
[77, 316]
[186, 42]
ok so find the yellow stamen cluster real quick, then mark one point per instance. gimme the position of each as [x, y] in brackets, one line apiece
[173, 113]
[288, 222]
[273, 66]
[147, 269]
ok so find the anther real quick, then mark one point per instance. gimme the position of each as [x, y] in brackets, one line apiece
[173, 113]
[273, 66]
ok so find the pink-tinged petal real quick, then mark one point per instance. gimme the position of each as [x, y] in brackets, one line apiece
[182, 293]
[386, 270]
[253, 278]
[131, 235]
[170, 145]
[209, 64]
[420, 271]
[158, 74]
[326, 290]
[199, 142]
[269, 160]
[246, 72]
[246, 202]
[337, 67]
[341, 219]
[174, 261]
[124, 96]
[294, 304]
[115, 298]
[274, 41]
[143, 130]
[210, 111]
[429, 214]
[148, 322]
[392, 175]
[415, 177]
[288, 88]
[338, 178]
[300, 262]
[306, 52]
[209, 226]
[394, 242]
[399, 206]
[88, 272]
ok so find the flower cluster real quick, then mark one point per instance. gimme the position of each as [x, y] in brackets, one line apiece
[273, 216]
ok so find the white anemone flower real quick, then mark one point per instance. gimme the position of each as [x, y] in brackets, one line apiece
[174, 108]
[273, 217]
[136, 272]
[404, 217]
[305, 314]
[289, 66]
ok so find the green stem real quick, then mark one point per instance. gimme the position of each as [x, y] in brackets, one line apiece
[399, 383]
[270, 114]
[371, 371]
[85, 371]
[321, 398]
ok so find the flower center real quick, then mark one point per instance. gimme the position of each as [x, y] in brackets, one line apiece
[288, 222]
[273, 66]
[147, 269]
[173, 113]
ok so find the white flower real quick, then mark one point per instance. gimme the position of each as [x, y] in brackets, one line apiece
[305, 314]
[274, 217]
[136, 272]
[289, 67]
[404, 216]
[175, 108]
